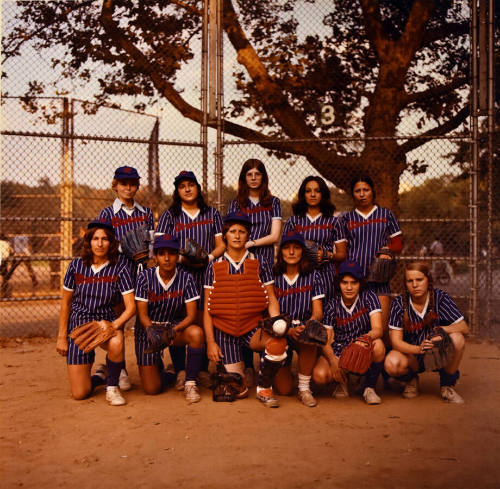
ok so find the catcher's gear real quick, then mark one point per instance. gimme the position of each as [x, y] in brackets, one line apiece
[135, 245]
[227, 386]
[311, 252]
[313, 334]
[194, 255]
[382, 269]
[358, 355]
[160, 335]
[276, 326]
[441, 354]
[90, 335]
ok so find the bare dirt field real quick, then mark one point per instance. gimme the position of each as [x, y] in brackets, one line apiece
[48, 440]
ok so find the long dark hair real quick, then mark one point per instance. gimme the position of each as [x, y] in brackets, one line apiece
[365, 179]
[325, 205]
[305, 265]
[176, 206]
[430, 315]
[265, 197]
[88, 256]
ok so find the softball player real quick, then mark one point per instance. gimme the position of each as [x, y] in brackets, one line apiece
[239, 288]
[413, 315]
[190, 217]
[369, 228]
[299, 290]
[352, 312]
[313, 218]
[91, 286]
[168, 293]
[126, 214]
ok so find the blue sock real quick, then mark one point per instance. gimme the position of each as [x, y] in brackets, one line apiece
[114, 369]
[446, 379]
[194, 362]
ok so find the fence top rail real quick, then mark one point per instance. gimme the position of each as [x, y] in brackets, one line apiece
[454, 137]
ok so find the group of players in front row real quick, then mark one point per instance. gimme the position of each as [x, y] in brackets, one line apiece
[217, 310]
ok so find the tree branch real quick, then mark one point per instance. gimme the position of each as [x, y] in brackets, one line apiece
[374, 29]
[433, 92]
[433, 35]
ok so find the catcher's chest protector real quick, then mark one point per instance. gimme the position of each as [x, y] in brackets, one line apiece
[236, 301]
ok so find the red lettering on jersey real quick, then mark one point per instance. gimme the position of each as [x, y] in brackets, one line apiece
[119, 221]
[254, 210]
[295, 290]
[355, 224]
[152, 297]
[190, 225]
[350, 319]
[302, 229]
[82, 279]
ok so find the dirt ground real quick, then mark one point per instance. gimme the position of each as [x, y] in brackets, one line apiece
[48, 440]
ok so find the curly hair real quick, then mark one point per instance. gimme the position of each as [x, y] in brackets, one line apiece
[88, 256]
[227, 225]
[265, 197]
[326, 206]
[305, 265]
[176, 206]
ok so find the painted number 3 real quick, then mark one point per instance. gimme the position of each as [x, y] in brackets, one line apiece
[327, 115]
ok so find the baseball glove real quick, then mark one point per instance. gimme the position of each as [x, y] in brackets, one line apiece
[382, 269]
[194, 255]
[90, 335]
[160, 335]
[357, 356]
[311, 252]
[276, 326]
[314, 334]
[441, 354]
[227, 386]
[135, 245]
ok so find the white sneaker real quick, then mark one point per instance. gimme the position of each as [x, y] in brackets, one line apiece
[124, 381]
[370, 396]
[411, 388]
[101, 371]
[181, 380]
[191, 393]
[341, 391]
[307, 398]
[114, 396]
[449, 394]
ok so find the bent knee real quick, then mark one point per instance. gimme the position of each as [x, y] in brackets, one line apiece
[195, 335]
[393, 365]
[80, 394]
[458, 340]
[321, 376]
[378, 350]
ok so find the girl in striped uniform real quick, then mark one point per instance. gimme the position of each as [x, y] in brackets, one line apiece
[126, 214]
[168, 293]
[369, 228]
[299, 290]
[91, 286]
[239, 288]
[354, 311]
[413, 316]
[190, 217]
[313, 218]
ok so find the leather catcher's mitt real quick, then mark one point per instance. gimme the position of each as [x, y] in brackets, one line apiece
[276, 326]
[160, 335]
[135, 245]
[441, 354]
[194, 255]
[227, 386]
[90, 335]
[382, 269]
[311, 252]
[357, 356]
[313, 334]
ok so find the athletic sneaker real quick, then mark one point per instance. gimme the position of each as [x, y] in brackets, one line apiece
[114, 396]
[191, 393]
[124, 381]
[181, 380]
[101, 371]
[449, 394]
[250, 376]
[341, 391]
[265, 396]
[307, 398]
[411, 389]
[204, 379]
[370, 396]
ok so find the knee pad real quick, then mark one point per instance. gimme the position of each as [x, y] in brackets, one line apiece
[275, 349]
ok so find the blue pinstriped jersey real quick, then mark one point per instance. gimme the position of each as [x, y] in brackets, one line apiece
[445, 309]
[96, 291]
[166, 301]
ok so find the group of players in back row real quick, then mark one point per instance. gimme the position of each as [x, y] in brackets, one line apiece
[217, 309]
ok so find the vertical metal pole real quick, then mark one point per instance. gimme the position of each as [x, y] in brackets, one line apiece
[220, 100]
[204, 96]
[473, 208]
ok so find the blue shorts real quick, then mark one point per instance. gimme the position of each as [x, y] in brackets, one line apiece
[77, 356]
[231, 346]
[141, 344]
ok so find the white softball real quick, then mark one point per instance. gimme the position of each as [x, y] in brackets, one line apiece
[279, 326]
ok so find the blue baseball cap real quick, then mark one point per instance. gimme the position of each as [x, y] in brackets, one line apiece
[293, 236]
[185, 175]
[166, 241]
[126, 172]
[238, 217]
[101, 223]
[350, 267]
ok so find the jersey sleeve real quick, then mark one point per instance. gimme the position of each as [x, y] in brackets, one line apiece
[392, 224]
[266, 272]
[339, 233]
[289, 225]
[396, 313]
[276, 209]
[318, 286]
[233, 206]
[209, 277]
[105, 214]
[151, 222]
[329, 314]
[165, 224]
[69, 277]
[217, 223]
[125, 280]
[191, 292]
[448, 311]
[372, 302]
[141, 287]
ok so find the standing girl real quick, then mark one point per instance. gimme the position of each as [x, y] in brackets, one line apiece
[91, 286]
